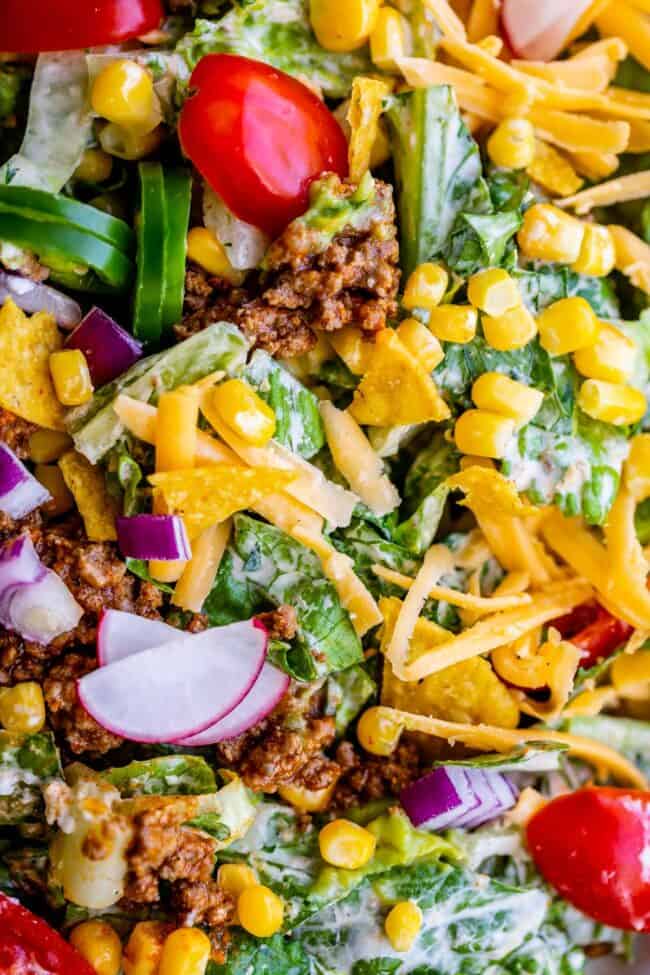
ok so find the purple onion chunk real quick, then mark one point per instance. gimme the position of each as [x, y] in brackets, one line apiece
[159, 537]
[33, 296]
[20, 492]
[458, 796]
[108, 348]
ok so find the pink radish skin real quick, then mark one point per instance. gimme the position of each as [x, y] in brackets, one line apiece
[177, 689]
[268, 690]
[120, 635]
[537, 30]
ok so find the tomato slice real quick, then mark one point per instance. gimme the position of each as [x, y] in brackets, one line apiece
[29, 946]
[593, 846]
[259, 138]
[69, 25]
[595, 631]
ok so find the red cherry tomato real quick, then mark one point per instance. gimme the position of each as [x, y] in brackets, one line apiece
[259, 138]
[593, 847]
[69, 25]
[595, 631]
[29, 946]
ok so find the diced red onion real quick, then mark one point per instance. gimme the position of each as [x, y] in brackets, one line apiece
[108, 348]
[34, 296]
[20, 492]
[19, 566]
[458, 796]
[159, 537]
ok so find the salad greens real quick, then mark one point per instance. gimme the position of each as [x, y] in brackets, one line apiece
[27, 763]
[298, 422]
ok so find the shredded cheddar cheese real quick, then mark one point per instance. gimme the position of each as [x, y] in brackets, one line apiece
[632, 257]
[636, 186]
[480, 604]
[447, 19]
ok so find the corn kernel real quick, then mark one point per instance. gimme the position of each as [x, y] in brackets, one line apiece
[630, 675]
[389, 39]
[597, 254]
[483, 434]
[22, 708]
[345, 844]
[95, 166]
[421, 343]
[235, 877]
[454, 323]
[343, 25]
[244, 412]
[512, 330]
[186, 951]
[550, 234]
[307, 800]
[52, 479]
[500, 394]
[493, 291]
[123, 93]
[402, 925]
[129, 144]
[144, 948]
[425, 287]
[100, 945]
[611, 402]
[378, 733]
[637, 466]
[260, 911]
[512, 144]
[71, 377]
[611, 357]
[350, 345]
[46, 446]
[205, 249]
[567, 325]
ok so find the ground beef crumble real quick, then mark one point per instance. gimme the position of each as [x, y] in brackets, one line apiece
[354, 281]
[365, 777]
[15, 432]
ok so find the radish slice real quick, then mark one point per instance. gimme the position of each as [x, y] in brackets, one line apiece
[538, 29]
[178, 689]
[267, 691]
[120, 635]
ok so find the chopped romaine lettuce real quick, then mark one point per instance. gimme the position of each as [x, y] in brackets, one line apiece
[425, 494]
[625, 735]
[167, 775]
[27, 763]
[549, 283]
[298, 421]
[347, 694]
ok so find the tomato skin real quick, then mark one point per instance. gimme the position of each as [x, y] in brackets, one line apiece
[593, 847]
[593, 630]
[29, 946]
[69, 25]
[259, 138]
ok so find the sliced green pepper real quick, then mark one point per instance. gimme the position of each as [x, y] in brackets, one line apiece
[61, 244]
[178, 192]
[151, 256]
[54, 208]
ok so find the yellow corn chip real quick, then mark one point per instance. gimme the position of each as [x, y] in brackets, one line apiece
[365, 109]
[205, 496]
[396, 389]
[26, 387]
[488, 490]
[88, 487]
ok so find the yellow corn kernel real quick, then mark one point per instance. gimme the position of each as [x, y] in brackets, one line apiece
[421, 343]
[402, 925]
[350, 345]
[71, 377]
[512, 330]
[235, 877]
[389, 39]
[22, 708]
[307, 800]
[454, 323]
[123, 93]
[483, 434]
[549, 234]
[129, 144]
[377, 732]
[205, 249]
[244, 412]
[343, 25]
[186, 951]
[630, 675]
[553, 171]
[637, 466]
[512, 144]
[144, 948]
[498, 393]
[567, 325]
[260, 911]
[95, 166]
[100, 945]
[611, 402]
[51, 478]
[493, 291]
[176, 429]
[345, 844]
[425, 287]
[597, 253]
[46, 446]
[611, 357]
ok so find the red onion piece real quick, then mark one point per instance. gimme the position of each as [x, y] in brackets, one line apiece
[20, 492]
[159, 537]
[457, 796]
[34, 296]
[108, 348]
[19, 566]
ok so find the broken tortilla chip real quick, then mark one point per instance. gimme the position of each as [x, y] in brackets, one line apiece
[87, 485]
[26, 387]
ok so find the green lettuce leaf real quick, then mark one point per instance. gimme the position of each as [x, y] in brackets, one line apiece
[298, 421]
[27, 763]
[167, 775]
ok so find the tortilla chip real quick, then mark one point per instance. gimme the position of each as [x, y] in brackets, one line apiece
[365, 109]
[206, 496]
[26, 387]
[88, 487]
[489, 491]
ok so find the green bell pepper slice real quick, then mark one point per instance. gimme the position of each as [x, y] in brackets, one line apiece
[151, 254]
[178, 193]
